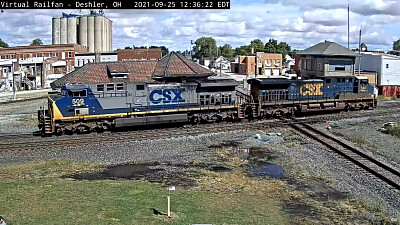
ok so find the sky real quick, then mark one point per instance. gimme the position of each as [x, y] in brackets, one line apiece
[300, 23]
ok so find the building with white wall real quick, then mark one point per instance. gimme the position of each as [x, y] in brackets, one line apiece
[387, 68]
[90, 57]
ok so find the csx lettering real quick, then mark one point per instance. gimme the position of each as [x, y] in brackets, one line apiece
[78, 102]
[311, 89]
[167, 96]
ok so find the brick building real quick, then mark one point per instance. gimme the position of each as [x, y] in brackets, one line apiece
[139, 54]
[65, 52]
[262, 64]
[28, 67]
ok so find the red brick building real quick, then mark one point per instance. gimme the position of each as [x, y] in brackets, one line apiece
[64, 52]
[139, 54]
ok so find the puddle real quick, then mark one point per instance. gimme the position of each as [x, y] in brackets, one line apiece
[265, 168]
[252, 153]
[219, 168]
[125, 171]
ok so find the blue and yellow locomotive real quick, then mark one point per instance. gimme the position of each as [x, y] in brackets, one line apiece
[97, 107]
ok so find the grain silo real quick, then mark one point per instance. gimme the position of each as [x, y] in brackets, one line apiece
[63, 30]
[83, 31]
[72, 30]
[92, 30]
[90, 33]
[56, 30]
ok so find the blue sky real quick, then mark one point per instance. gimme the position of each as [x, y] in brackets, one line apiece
[299, 23]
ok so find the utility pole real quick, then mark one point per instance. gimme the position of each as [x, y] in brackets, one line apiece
[348, 25]
[359, 52]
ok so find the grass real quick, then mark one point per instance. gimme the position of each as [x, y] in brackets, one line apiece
[360, 141]
[36, 194]
[394, 131]
[383, 98]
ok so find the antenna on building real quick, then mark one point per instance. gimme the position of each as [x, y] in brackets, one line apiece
[359, 52]
[348, 24]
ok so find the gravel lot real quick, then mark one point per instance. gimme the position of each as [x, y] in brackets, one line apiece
[307, 165]
[20, 117]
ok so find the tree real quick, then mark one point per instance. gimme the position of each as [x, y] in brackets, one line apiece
[227, 51]
[205, 47]
[37, 41]
[272, 46]
[243, 50]
[257, 45]
[396, 45]
[3, 44]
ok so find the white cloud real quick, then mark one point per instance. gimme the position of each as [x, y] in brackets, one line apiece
[300, 23]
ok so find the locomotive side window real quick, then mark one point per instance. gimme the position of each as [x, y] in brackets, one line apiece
[212, 102]
[100, 87]
[139, 87]
[201, 99]
[110, 87]
[328, 81]
[120, 87]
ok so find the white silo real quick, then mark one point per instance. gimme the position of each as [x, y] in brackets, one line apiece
[56, 31]
[63, 30]
[98, 33]
[72, 30]
[83, 31]
[110, 35]
[90, 33]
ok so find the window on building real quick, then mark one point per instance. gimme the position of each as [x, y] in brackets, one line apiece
[69, 54]
[139, 87]
[6, 56]
[37, 55]
[120, 87]
[30, 55]
[340, 65]
[110, 87]
[319, 66]
[50, 54]
[100, 87]
[387, 66]
[43, 54]
[56, 54]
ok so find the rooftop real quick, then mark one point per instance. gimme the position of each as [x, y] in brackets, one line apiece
[328, 48]
[172, 65]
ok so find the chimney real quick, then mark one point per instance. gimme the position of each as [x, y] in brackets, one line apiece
[252, 51]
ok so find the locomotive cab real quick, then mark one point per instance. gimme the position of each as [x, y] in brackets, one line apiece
[77, 95]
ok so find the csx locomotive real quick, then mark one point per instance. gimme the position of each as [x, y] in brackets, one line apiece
[98, 107]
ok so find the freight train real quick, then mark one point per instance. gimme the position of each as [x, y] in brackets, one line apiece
[81, 108]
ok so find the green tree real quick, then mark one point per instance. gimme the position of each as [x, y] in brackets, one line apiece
[3, 44]
[272, 46]
[396, 45]
[36, 41]
[227, 51]
[243, 50]
[205, 47]
[257, 45]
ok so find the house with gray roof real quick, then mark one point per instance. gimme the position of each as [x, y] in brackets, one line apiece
[327, 59]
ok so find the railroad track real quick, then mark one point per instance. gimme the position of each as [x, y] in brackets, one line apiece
[27, 141]
[375, 167]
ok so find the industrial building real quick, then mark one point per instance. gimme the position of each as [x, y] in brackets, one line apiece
[387, 68]
[92, 30]
[261, 64]
[31, 67]
[139, 54]
[84, 58]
